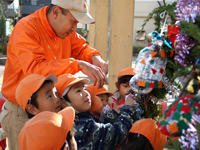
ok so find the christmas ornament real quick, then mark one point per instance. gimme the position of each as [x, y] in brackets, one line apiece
[172, 31]
[150, 66]
[178, 115]
[183, 46]
[187, 10]
[190, 139]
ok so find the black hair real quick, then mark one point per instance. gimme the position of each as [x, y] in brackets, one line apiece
[64, 11]
[69, 136]
[34, 99]
[66, 98]
[124, 79]
[137, 142]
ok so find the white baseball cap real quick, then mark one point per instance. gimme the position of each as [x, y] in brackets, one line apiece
[78, 8]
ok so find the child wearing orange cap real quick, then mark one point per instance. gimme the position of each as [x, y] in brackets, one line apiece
[145, 135]
[36, 93]
[122, 85]
[48, 131]
[104, 95]
[89, 134]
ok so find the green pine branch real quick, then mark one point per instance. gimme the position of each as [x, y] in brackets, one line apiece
[175, 145]
[156, 15]
[191, 29]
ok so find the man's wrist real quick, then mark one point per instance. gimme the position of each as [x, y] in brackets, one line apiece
[94, 57]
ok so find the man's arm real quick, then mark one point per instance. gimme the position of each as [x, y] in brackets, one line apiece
[81, 51]
[32, 56]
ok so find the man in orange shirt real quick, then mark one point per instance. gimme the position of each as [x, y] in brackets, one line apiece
[45, 42]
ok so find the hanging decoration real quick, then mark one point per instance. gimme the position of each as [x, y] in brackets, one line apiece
[178, 115]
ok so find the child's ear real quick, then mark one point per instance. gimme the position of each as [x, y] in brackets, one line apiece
[32, 109]
[117, 86]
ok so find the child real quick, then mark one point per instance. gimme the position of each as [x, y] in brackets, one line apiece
[48, 131]
[96, 111]
[89, 134]
[36, 93]
[145, 135]
[102, 93]
[122, 85]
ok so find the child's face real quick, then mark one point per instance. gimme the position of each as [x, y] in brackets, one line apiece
[79, 97]
[47, 99]
[104, 98]
[123, 88]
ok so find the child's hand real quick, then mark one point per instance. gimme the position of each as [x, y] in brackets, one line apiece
[116, 107]
[129, 100]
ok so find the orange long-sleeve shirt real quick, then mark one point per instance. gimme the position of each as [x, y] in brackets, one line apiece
[33, 47]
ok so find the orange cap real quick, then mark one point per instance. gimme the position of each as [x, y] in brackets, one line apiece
[98, 91]
[43, 130]
[126, 71]
[29, 85]
[148, 128]
[96, 102]
[65, 81]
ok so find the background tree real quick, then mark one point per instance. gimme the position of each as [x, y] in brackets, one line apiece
[2, 25]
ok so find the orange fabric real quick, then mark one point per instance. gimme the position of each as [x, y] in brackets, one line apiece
[143, 61]
[98, 91]
[173, 128]
[153, 54]
[142, 83]
[126, 71]
[67, 80]
[162, 53]
[148, 128]
[46, 130]
[34, 48]
[29, 85]
[160, 84]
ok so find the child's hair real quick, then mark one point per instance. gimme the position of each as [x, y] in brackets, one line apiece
[66, 98]
[145, 135]
[124, 79]
[137, 142]
[34, 98]
[69, 136]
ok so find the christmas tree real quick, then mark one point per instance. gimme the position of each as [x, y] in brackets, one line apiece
[181, 119]
[150, 81]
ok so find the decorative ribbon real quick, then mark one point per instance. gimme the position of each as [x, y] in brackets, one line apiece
[159, 36]
[178, 115]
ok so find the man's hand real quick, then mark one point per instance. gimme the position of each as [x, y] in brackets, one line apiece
[94, 72]
[98, 61]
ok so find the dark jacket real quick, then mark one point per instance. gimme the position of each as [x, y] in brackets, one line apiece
[90, 135]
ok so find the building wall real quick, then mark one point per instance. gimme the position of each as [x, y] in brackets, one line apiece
[142, 10]
[30, 6]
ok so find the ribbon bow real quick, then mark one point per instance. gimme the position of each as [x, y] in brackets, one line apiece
[159, 36]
